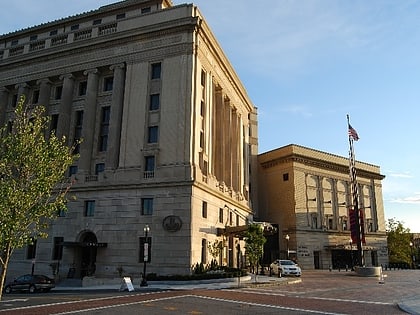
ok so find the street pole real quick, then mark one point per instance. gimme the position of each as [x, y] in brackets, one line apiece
[411, 255]
[287, 241]
[146, 230]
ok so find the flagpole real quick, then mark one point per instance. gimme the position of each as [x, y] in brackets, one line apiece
[355, 226]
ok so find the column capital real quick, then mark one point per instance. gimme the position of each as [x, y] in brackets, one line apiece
[43, 81]
[91, 71]
[66, 76]
[22, 85]
[117, 66]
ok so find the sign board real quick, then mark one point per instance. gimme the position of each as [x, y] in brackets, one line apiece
[146, 251]
[126, 284]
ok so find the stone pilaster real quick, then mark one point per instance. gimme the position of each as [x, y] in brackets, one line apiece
[63, 126]
[89, 118]
[112, 157]
[44, 93]
[23, 89]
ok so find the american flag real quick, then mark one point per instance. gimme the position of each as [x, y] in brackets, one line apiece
[353, 133]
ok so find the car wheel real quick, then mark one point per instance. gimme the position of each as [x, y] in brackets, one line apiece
[8, 290]
[32, 289]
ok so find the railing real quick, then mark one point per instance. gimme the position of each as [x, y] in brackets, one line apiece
[37, 45]
[91, 178]
[15, 51]
[83, 35]
[59, 40]
[148, 174]
[107, 29]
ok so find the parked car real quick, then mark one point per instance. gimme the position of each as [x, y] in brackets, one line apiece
[286, 268]
[31, 283]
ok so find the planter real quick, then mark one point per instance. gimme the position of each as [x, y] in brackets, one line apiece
[368, 271]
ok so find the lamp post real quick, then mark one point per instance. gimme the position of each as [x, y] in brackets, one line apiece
[351, 253]
[287, 242]
[411, 255]
[146, 230]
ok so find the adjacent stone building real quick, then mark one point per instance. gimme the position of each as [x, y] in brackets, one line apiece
[169, 138]
[307, 194]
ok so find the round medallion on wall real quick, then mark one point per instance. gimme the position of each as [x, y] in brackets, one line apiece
[172, 223]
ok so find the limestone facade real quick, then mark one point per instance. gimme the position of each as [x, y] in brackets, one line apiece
[307, 194]
[169, 138]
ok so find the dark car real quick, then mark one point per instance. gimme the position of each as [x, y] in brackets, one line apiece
[31, 283]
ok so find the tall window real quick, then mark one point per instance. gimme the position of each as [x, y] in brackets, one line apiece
[103, 137]
[58, 92]
[204, 210]
[72, 170]
[108, 84]
[146, 206]
[35, 97]
[57, 253]
[154, 102]
[156, 69]
[204, 251]
[220, 215]
[89, 208]
[149, 166]
[82, 88]
[78, 130]
[54, 123]
[153, 134]
[99, 168]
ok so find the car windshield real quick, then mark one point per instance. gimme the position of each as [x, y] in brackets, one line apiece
[287, 262]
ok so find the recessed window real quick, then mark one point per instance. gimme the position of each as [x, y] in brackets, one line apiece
[72, 170]
[33, 37]
[220, 215]
[89, 208]
[74, 27]
[146, 10]
[154, 101]
[108, 84]
[120, 16]
[204, 251]
[153, 134]
[35, 97]
[156, 69]
[99, 168]
[14, 42]
[203, 78]
[78, 130]
[285, 177]
[104, 129]
[82, 88]
[146, 206]
[204, 209]
[54, 32]
[54, 123]
[97, 22]
[14, 100]
[58, 92]
[149, 162]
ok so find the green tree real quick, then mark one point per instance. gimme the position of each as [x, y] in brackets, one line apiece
[254, 242]
[398, 238]
[32, 184]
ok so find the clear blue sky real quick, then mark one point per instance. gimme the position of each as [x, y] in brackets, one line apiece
[308, 63]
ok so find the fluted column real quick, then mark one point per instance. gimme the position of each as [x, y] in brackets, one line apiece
[64, 118]
[89, 117]
[114, 135]
[44, 92]
[4, 97]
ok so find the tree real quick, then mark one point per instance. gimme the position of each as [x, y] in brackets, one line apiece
[32, 184]
[254, 242]
[398, 238]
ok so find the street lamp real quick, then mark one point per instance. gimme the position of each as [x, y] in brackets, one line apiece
[146, 230]
[411, 255]
[351, 252]
[287, 241]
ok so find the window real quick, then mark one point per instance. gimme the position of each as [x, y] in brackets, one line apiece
[230, 218]
[14, 42]
[146, 10]
[33, 37]
[74, 27]
[143, 248]
[154, 102]
[149, 163]
[89, 208]
[108, 84]
[237, 220]
[203, 251]
[120, 16]
[156, 69]
[72, 170]
[99, 168]
[14, 100]
[285, 177]
[330, 223]
[82, 88]
[54, 32]
[146, 206]
[97, 22]
[54, 123]
[314, 221]
[57, 253]
[104, 131]
[204, 209]
[203, 78]
[58, 92]
[78, 130]
[201, 139]
[35, 97]
[31, 250]
[220, 215]
[153, 134]
[61, 212]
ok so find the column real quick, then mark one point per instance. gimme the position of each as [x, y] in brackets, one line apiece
[89, 118]
[23, 90]
[114, 136]
[44, 93]
[4, 97]
[218, 134]
[64, 118]
[227, 142]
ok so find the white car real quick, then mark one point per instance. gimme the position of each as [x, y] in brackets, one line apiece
[286, 268]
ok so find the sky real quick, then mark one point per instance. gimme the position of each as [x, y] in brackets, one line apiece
[306, 64]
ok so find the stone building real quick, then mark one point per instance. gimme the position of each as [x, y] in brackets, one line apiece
[307, 194]
[169, 138]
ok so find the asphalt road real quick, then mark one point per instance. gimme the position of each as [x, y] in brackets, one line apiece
[320, 292]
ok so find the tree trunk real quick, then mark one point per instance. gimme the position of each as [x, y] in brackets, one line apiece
[4, 264]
